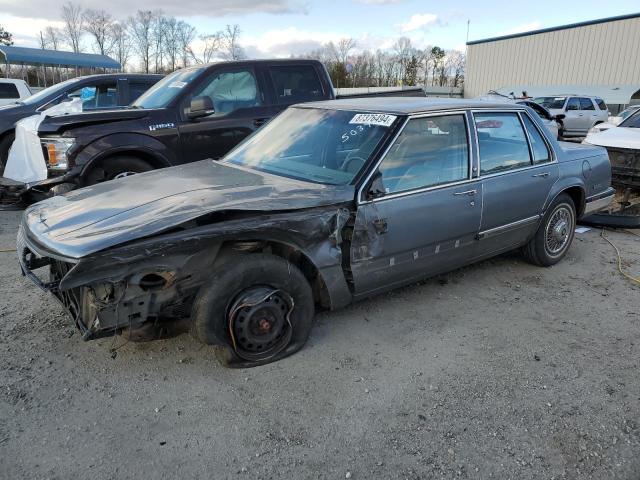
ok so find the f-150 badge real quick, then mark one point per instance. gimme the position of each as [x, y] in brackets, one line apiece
[161, 126]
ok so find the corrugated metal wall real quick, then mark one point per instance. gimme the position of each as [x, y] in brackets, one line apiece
[601, 54]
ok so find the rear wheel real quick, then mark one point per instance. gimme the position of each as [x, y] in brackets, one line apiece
[116, 167]
[5, 145]
[256, 308]
[555, 234]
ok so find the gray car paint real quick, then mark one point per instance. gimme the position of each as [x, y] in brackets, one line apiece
[178, 219]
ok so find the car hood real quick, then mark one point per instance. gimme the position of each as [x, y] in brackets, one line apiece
[95, 218]
[617, 137]
[58, 123]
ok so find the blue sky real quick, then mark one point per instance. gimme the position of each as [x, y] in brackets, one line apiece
[280, 27]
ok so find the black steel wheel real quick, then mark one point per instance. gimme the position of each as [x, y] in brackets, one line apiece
[257, 308]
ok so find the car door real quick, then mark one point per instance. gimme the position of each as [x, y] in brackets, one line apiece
[591, 115]
[420, 212]
[574, 117]
[240, 108]
[517, 170]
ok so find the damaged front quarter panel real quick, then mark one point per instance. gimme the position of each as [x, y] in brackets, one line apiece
[155, 280]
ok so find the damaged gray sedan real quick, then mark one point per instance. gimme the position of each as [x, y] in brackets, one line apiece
[329, 203]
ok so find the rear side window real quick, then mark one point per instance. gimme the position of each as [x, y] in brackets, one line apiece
[296, 83]
[539, 148]
[429, 152]
[601, 104]
[8, 90]
[586, 104]
[502, 142]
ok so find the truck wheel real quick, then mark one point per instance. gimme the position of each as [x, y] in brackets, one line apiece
[114, 168]
[5, 145]
[257, 308]
[555, 234]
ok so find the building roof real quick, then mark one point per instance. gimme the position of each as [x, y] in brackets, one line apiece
[405, 105]
[554, 29]
[37, 56]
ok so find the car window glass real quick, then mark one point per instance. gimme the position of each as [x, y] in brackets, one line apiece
[541, 153]
[429, 151]
[573, 104]
[298, 83]
[137, 89]
[586, 104]
[632, 121]
[230, 91]
[101, 96]
[8, 90]
[502, 142]
[601, 104]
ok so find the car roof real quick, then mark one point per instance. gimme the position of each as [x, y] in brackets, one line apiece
[140, 76]
[407, 105]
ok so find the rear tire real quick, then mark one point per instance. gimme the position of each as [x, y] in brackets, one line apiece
[555, 233]
[116, 167]
[256, 308]
[5, 145]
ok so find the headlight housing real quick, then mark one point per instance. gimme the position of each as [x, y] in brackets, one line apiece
[56, 152]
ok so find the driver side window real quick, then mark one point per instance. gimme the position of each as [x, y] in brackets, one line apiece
[230, 91]
[430, 151]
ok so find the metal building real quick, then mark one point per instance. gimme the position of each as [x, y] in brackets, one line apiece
[600, 57]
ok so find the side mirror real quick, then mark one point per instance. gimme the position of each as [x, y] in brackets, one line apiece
[376, 187]
[200, 107]
[560, 116]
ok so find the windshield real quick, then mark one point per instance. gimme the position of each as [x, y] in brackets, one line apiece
[552, 103]
[52, 90]
[627, 111]
[315, 145]
[632, 121]
[161, 94]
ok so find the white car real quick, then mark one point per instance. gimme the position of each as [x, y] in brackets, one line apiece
[13, 90]
[617, 119]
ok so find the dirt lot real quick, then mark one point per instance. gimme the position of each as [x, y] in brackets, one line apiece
[500, 370]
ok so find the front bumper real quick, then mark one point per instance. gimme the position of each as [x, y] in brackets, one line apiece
[599, 202]
[12, 191]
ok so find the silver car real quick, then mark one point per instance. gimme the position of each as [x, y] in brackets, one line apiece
[581, 113]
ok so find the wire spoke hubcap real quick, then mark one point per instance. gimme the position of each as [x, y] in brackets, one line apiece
[259, 323]
[558, 231]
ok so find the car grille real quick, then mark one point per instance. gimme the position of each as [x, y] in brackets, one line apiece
[625, 167]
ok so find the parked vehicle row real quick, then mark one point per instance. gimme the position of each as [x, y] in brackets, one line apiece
[328, 203]
[96, 91]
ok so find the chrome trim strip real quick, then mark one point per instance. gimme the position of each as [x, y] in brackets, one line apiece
[594, 205]
[509, 226]
[461, 112]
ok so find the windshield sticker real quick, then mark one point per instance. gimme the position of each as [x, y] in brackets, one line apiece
[177, 84]
[380, 119]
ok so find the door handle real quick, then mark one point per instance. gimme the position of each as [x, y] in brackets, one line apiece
[467, 192]
[258, 122]
[543, 175]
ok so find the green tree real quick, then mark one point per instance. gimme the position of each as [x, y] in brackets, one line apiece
[5, 37]
[411, 71]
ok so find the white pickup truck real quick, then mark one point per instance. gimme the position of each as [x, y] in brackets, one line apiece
[12, 90]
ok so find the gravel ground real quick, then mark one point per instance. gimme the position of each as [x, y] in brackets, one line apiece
[499, 370]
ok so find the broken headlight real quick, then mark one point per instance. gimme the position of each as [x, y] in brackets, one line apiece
[56, 152]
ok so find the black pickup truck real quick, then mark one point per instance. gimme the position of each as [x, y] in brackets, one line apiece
[102, 91]
[192, 114]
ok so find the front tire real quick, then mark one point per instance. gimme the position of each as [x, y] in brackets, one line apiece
[114, 168]
[257, 308]
[555, 233]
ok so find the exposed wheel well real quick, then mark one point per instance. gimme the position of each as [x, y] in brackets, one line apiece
[289, 253]
[578, 197]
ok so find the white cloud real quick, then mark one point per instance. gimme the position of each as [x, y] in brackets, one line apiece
[525, 27]
[418, 21]
[25, 30]
[286, 42]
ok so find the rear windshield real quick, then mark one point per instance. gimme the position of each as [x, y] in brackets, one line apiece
[632, 121]
[551, 103]
[8, 90]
